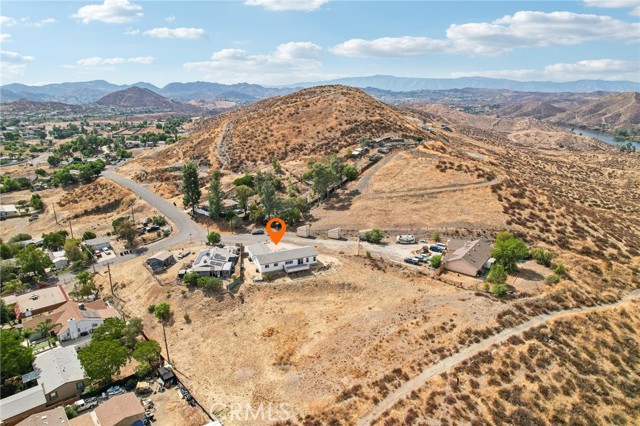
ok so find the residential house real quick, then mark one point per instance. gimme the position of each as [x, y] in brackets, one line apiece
[38, 242]
[59, 259]
[55, 417]
[8, 210]
[40, 301]
[60, 374]
[120, 410]
[469, 259]
[21, 405]
[75, 319]
[215, 262]
[161, 260]
[98, 243]
[287, 260]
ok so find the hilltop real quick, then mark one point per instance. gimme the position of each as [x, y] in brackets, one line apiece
[141, 98]
[619, 110]
[311, 122]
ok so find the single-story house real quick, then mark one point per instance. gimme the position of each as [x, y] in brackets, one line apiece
[75, 319]
[161, 259]
[54, 417]
[120, 410]
[60, 374]
[38, 242]
[59, 259]
[40, 301]
[21, 405]
[97, 243]
[215, 262]
[8, 210]
[470, 259]
[287, 260]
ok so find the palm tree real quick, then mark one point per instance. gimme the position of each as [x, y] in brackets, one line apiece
[46, 329]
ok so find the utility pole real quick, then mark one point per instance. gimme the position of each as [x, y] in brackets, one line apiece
[70, 227]
[132, 217]
[110, 281]
[55, 216]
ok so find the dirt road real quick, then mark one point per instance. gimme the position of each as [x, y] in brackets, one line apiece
[448, 363]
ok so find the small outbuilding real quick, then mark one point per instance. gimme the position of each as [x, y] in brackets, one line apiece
[334, 233]
[303, 231]
[98, 243]
[161, 260]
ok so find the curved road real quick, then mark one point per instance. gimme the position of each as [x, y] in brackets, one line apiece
[470, 351]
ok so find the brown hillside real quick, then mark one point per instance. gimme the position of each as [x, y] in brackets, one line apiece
[138, 97]
[311, 122]
[539, 110]
[620, 110]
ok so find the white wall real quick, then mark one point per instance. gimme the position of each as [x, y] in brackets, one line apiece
[270, 268]
[75, 327]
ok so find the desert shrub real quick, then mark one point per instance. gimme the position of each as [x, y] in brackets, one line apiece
[559, 269]
[500, 290]
[151, 308]
[542, 255]
[374, 236]
[552, 279]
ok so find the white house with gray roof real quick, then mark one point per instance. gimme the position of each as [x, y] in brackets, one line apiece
[215, 262]
[287, 260]
[60, 373]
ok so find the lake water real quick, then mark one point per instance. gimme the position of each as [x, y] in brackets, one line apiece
[603, 137]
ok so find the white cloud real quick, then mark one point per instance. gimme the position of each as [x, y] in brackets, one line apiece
[6, 21]
[287, 5]
[39, 24]
[634, 5]
[521, 30]
[234, 65]
[181, 33]
[13, 64]
[110, 12]
[132, 32]
[4, 36]
[97, 61]
[170, 18]
[390, 46]
[595, 69]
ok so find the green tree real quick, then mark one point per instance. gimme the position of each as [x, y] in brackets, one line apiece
[542, 256]
[146, 351]
[15, 358]
[46, 327]
[54, 241]
[364, 141]
[350, 172]
[131, 331]
[190, 278]
[85, 285]
[323, 179]
[127, 230]
[234, 222]
[36, 202]
[190, 186]
[247, 180]
[374, 236]
[210, 283]
[72, 250]
[276, 166]
[6, 313]
[19, 237]
[508, 251]
[436, 236]
[162, 311]
[54, 160]
[243, 193]
[213, 237]
[337, 166]
[33, 260]
[6, 252]
[500, 290]
[497, 274]
[268, 198]
[435, 261]
[102, 359]
[215, 195]
[88, 235]
[256, 213]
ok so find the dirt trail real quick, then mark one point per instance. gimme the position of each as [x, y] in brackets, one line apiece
[468, 352]
[437, 190]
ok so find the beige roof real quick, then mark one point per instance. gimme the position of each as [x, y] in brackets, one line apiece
[162, 256]
[118, 408]
[55, 417]
[41, 299]
[96, 310]
[475, 253]
[85, 419]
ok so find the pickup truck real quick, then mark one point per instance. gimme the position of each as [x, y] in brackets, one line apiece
[85, 404]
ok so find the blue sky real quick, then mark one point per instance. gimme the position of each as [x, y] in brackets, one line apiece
[279, 42]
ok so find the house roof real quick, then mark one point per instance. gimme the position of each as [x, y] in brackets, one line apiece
[41, 299]
[162, 256]
[8, 208]
[118, 408]
[96, 241]
[258, 248]
[21, 402]
[212, 259]
[475, 253]
[92, 310]
[53, 255]
[284, 255]
[57, 367]
[55, 417]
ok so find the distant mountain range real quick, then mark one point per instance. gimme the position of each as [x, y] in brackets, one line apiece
[91, 91]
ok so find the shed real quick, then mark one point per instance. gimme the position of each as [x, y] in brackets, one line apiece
[166, 376]
[8, 210]
[303, 231]
[334, 233]
[161, 259]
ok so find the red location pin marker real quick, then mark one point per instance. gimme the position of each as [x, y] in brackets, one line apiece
[276, 234]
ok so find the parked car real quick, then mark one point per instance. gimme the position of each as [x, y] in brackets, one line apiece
[153, 228]
[85, 404]
[97, 253]
[106, 250]
[257, 232]
[34, 217]
[422, 258]
[411, 261]
[115, 390]
[442, 246]
[435, 249]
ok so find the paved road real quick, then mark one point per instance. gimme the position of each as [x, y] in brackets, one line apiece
[470, 351]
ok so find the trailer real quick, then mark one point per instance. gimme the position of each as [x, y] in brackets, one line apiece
[303, 231]
[334, 233]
